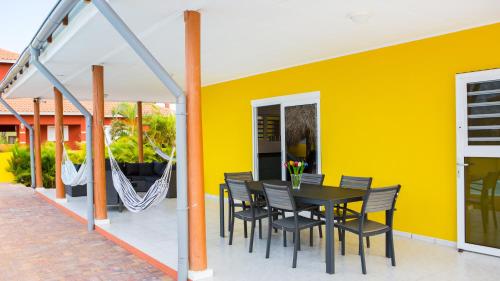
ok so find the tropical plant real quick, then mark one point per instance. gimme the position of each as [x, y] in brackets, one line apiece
[124, 122]
[19, 164]
[161, 129]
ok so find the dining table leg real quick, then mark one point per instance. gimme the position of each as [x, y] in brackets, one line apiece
[387, 237]
[330, 243]
[221, 209]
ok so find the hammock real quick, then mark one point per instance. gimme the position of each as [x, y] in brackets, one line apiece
[69, 175]
[158, 149]
[131, 200]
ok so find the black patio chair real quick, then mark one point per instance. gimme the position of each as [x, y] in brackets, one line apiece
[280, 198]
[363, 183]
[375, 200]
[238, 190]
[243, 176]
[316, 179]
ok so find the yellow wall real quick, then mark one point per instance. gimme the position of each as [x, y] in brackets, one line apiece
[387, 113]
[4, 175]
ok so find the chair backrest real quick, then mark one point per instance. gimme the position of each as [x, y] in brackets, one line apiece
[313, 178]
[242, 176]
[279, 197]
[238, 190]
[356, 182]
[380, 199]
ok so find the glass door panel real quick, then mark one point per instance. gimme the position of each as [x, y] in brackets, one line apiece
[482, 201]
[301, 136]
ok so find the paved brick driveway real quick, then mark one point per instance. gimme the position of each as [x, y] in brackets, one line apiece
[39, 242]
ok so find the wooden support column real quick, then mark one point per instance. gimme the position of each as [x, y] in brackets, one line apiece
[38, 143]
[98, 142]
[59, 129]
[140, 137]
[196, 191]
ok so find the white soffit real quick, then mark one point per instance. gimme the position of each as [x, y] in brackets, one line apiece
[239, 38]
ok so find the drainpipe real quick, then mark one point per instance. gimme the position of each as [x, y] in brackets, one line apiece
[32, 138]
[88, 123]
[182, 216]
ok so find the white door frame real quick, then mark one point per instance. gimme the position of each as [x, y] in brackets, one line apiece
[464, 150]
[284, 101]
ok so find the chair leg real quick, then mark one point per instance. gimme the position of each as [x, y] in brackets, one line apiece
[367, 242]
[320, 228]
[298, 238]
[362, 254]
[229, 214]
[252, 234]
[260, 229]
[245, 229]
[231, 230]
[342, 247]
[311, 239]
[295, 248]
[284, 232]
[393, 255]
[269, 232]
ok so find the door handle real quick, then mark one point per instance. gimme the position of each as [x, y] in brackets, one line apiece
[463, 164]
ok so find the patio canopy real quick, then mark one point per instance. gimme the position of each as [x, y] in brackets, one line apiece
[239, 38]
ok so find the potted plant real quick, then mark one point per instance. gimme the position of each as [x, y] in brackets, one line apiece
[296, 168]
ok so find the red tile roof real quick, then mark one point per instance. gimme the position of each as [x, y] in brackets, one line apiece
[24, 106]
[8, 55]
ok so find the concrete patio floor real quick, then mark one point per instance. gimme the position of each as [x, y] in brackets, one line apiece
[153, 232]
[39, 242]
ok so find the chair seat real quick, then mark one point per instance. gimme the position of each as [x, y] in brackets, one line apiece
[247, 214]
[369, 227]
[289, 223]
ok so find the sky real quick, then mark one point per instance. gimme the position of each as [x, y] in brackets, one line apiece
[19, 21]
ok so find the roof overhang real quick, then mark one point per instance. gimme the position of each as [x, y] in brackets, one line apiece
[239, 38]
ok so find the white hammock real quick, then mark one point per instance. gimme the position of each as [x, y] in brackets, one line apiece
[69, 175]
[131, 200]
[157, 149]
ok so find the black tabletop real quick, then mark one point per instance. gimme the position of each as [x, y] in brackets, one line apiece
[315, 192]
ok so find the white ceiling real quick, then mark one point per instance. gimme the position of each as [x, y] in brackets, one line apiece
[239, 38]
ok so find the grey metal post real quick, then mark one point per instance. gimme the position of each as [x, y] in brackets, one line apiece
[32, 139]
[182, 216]
[88, 123]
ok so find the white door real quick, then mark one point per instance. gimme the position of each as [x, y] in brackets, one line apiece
[478, 161]
[269, 140]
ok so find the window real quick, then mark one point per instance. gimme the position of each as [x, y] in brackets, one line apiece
[483, 112]
[51, 133]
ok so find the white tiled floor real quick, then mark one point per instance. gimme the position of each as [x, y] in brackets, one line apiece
[154, 232]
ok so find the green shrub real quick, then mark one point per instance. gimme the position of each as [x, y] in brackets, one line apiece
[19, 164]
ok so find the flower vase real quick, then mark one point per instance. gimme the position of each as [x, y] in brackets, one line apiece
[296, 179]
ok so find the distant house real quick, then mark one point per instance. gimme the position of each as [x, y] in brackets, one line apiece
[11, 130]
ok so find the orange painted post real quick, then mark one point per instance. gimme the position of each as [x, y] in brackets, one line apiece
[59, 128]
[101, 212]
[196, 191]
[140, 145]
[37, 144]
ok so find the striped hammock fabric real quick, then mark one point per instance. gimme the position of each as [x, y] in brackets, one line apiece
[69, 175]
[131, 200]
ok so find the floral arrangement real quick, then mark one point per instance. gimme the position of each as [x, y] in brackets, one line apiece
[296, 168]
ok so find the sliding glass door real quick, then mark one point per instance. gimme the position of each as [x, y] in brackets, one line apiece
[286, 128]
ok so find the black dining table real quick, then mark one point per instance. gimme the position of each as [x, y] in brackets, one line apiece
[320, 195]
